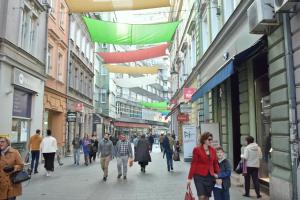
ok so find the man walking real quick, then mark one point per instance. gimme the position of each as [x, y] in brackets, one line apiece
[106, 150]
[151, 141]
[161, 140]
[168, 145]
[123, 153]
[34, 147]
[76, 149]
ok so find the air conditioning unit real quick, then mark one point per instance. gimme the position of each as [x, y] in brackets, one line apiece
[284, 5]
[261, 16]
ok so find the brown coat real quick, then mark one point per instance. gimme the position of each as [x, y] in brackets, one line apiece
[7, 188]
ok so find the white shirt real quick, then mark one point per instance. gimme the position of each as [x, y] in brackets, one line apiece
[49, 145]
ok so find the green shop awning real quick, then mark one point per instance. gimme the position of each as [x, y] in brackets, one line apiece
[156, 105]
[130, 34]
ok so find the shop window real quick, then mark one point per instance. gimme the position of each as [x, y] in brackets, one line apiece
[103, 96]
[19, 131]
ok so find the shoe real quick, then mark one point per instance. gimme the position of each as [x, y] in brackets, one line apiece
[246, 195]
[119, 176]
[172, 168]
[258, 196]
[48, 174]
[124, 177]
[36, 172]
[104, 178]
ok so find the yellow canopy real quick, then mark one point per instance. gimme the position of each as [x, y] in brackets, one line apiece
[131, 70]
[79, 6]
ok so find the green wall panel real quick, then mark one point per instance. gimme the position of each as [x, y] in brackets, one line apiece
[282, 159]
[278, 81]
[282, 173]
[279, 96]
[279, 112]
[280, 143]
[280, 127]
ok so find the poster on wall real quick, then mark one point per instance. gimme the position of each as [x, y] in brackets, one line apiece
[214, 129]
[189, 133]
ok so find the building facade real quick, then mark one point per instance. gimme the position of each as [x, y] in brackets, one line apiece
[244, 84]
[22, 68]
[55, 96]
[80, 78]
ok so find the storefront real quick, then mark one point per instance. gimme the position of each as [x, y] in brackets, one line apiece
[131, 129]
[26, 114]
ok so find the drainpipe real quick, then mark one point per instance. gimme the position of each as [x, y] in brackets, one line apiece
[292, 101]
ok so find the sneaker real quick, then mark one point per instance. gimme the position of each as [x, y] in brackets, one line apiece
[119, 176]
[48, 174]
[104, 178]
[259, 196]
[124, 177]
[246, 195]
[36, 172]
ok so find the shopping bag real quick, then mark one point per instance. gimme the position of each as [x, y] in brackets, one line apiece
[239, 168]
[130, 162]
[176, 156]
[188, 194]
[27, 157]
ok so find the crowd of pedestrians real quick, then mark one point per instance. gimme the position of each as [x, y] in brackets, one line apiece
[210, 169]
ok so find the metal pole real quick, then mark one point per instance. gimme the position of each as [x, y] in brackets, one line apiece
[292, 101]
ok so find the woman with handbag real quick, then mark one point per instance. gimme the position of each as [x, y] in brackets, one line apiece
[10, 162]
[204, 167]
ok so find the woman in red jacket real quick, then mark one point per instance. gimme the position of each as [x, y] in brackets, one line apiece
[204, 167]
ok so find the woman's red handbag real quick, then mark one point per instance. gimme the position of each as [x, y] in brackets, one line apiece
[189, 194]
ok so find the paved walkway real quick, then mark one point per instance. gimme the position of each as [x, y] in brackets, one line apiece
[71, 182]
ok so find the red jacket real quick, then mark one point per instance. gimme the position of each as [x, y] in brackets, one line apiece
[203, 165]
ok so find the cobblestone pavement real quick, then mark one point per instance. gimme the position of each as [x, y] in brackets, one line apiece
[70, 182]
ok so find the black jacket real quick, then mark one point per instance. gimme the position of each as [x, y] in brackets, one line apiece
[225, 173]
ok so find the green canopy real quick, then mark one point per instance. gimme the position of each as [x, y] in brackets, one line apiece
[156, 105]
[130, 34]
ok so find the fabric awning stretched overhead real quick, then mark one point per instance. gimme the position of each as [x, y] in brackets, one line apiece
[130, 34]
[122, 69]
[84, 6]
[156, 105]
[132, 56]
[136, 82]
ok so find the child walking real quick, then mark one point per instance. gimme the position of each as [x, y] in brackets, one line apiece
[221, 189]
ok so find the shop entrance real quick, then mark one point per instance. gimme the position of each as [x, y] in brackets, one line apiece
[262, 108]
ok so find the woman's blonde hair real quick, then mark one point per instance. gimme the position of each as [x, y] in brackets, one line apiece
[6, 139]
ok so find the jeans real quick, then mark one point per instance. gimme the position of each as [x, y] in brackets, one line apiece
[169, 160]
[76, 156]
[122, 162]
[253, 172]
[221, 194]
[35, 157]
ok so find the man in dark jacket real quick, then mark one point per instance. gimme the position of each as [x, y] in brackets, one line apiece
[151, 141]
[142, 154]
[168, 145]
[221, 189]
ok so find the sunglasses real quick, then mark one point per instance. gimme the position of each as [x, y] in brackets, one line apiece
[2, 141]
[210, 139]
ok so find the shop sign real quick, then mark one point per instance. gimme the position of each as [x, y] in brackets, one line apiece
[21, 104]
[25, 80]
[173, 101]
[188, 93]
[79, 107]
[183, 117]
[71, 116]
[186, 108]
[96, 119]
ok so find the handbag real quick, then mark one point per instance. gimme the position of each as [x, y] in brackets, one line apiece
[20, 176]
[176, 156]
[239, 168]
[130, 162]
[189, 194]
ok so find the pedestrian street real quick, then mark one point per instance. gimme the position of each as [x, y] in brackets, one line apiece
[70, 182]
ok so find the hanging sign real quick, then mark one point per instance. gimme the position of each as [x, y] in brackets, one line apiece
[79, 107]
[183, 117]
[188, 93]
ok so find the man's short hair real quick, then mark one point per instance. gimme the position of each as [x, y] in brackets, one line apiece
[38, 131]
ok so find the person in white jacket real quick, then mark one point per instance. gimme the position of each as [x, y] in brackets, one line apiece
[48, 149]
[252, 155]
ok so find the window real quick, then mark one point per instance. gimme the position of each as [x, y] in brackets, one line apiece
[205, 34]
[72, 30]
[193, 52]
[71, 75]
[60, 67]
[103, 71]
[29, 31]
[33, 34]
[97, 91]
[87, 50]
[81, 82]
[50, 51]
[53, 6]
[83, 42]
[78, 37]
[103, 95]
[25, 27]
[228, 9]
[62, 16]
[215, 19]
[91, 55]
[76, 78]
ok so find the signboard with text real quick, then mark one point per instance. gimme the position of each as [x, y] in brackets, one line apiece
[189, 135]
[188, 93]
[183, 117]
[71, 116]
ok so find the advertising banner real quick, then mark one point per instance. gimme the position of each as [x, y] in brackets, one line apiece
[214, 129]
[188, 93]
[189, 141]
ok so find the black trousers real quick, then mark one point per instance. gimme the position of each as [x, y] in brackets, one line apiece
[252, 172]
[49, 161]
